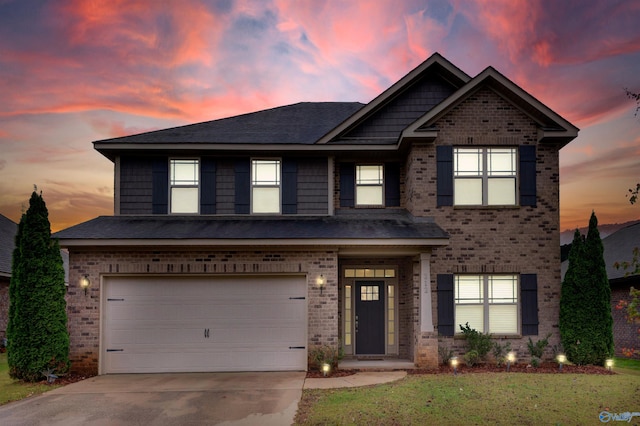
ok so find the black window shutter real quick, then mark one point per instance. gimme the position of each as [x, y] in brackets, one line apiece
[392, 184]
[347, 184]
[208, 186]
[529, 304]
[444, 168]
[528, 175]
[243, 186]
[289, 186]
[160, 186]
[446, 326]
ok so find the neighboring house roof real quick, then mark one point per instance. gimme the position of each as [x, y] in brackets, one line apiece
[350, 229]
[8, 231]
[618, 247]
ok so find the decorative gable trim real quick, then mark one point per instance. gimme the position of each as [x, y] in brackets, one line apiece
[553, 128]
[448, 71]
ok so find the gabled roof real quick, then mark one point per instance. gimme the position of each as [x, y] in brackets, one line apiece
[351, 230]
[618, 247]
[8, 231]
[435, 62]
[553, 126]
[298, 124]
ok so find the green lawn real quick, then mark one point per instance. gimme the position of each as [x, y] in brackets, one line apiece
[481, 398]
[13, 390]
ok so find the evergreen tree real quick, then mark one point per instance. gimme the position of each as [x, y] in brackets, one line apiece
[586, 324]
[601, 318]
[37, 334]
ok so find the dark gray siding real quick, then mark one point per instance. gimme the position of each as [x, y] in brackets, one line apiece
[410, 105]
[225, 190]
[135, 185]
[313, 186]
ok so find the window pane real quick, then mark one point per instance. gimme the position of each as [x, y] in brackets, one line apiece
[266, 172]
[349, 273]
[503, 289]
[369, 175]
[467, 192]
[469, 289]
[501, 161]
[467, 162]
[184, 200]
[184, 172]
[369, 195]
[503, 319]
[472, 314]
[501, 191]
[265, 200]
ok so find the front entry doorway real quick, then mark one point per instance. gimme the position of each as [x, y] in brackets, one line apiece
[370, 318]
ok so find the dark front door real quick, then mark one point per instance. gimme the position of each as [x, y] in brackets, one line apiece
[370, 318]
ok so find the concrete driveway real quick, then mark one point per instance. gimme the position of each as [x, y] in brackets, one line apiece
[165, 399]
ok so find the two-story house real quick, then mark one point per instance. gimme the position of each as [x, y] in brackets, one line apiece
[239, 244]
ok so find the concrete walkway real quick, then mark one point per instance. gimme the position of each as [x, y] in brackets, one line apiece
[179, 399]
[364, 378]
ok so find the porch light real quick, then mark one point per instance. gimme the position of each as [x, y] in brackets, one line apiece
[85, 283]
[561, 358]
[454, 365]
[511, 358]
[326, 368]
[609, 364]
[321, 281]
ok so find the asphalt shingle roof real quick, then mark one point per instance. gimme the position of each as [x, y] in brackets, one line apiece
[8, 231]
[301, 123]
[618, 247]
[392, 226]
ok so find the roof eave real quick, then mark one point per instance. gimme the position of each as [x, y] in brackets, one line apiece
[253, 242]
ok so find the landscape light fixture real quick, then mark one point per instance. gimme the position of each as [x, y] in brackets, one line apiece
[321, 281]
[511, 358]
[454, 365]
[609, 364]
[326, 368]
[85, 283]
[562, 358]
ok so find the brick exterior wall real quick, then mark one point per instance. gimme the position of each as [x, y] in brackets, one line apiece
[84, 310]
[4, 307]
[625, 335]
[491, 240]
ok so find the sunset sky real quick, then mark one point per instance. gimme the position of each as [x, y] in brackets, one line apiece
[72, 72]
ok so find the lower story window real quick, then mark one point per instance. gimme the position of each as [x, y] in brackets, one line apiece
[489, 303]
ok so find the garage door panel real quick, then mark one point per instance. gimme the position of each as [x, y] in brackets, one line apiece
[163, 324]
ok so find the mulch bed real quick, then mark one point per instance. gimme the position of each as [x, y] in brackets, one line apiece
[544, 368]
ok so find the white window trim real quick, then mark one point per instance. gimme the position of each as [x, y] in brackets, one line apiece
[356, 185]
[278, 186]
[485, 176]
[197, 186]
[485, 304]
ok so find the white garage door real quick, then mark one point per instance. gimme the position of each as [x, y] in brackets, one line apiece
[193, 324]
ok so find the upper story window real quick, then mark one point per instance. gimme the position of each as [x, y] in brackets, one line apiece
[484, 176]
[184, 185]
[265, 186]
[369, 185]
[489, 303]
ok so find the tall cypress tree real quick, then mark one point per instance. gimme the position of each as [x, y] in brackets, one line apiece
[601, 317]
[37, 334]
[586, 324]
